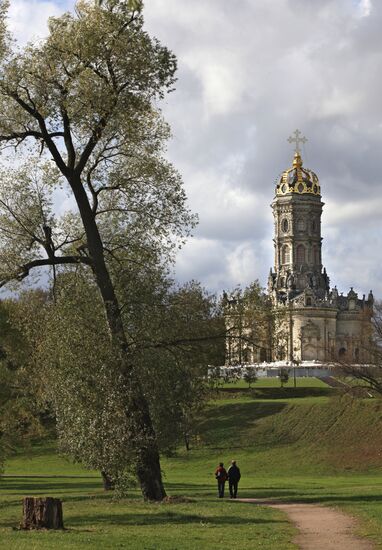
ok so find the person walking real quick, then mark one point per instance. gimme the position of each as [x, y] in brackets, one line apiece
[234, 476]
[221, 476]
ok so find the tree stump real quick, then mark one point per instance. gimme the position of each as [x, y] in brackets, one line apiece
[42, 513]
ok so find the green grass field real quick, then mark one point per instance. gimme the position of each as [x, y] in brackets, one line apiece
[303, 444]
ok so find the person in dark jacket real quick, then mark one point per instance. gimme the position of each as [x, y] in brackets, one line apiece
[234, 476]
[221, 476]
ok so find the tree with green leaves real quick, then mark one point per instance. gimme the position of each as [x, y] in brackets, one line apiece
[175, 331]
[250, 376]
[190, 335]
[284, 376]
[22, 416]
[80, 110]
[250, 323]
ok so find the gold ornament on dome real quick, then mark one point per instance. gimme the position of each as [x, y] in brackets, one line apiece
[298, 179]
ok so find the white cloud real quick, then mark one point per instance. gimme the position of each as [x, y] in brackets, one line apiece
[290, 64]
[28, 18]
[250, 72]
[361, 211]
[365, 7]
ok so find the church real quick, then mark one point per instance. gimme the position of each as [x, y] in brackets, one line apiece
[317, 323]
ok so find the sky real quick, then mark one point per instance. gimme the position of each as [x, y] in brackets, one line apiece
[250, 73]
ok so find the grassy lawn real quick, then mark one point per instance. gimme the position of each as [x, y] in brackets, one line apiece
[294, 446]
[304, 382]
[193, 518]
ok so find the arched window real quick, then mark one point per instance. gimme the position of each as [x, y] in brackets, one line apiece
[285, 225]
[356, 354]
[263, 355]
[285, 256]
[300, 255]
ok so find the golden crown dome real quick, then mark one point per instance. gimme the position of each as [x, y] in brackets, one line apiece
[298, 180]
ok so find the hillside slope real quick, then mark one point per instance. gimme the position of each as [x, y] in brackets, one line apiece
[332, 434]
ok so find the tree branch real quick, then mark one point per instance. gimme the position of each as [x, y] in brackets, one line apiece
[68, 139]
[185, 341]
[55, 260]
[28, 133]
[89, 147]
[45, 135]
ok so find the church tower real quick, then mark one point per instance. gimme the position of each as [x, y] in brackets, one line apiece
[313, 324]
[319, 323]
[297, 209]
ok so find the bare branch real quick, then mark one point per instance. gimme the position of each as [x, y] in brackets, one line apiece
[53, 261]
[89, 147]
[44, 131]
[183, 341]
[28, 133]
[68, 139]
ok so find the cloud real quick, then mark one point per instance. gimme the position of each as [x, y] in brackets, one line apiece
[28, 18]
[250, 72]
[365, 8]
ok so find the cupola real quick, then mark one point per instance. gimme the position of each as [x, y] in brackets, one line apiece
[298, 179]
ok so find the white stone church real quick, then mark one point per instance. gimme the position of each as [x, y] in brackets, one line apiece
[318, 323]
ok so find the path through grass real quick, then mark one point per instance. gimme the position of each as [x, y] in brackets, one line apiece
[276, 441]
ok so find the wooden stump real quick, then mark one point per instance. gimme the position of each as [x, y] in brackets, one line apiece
[42, 513]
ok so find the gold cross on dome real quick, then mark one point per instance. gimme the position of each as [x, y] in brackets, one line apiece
[297, 140]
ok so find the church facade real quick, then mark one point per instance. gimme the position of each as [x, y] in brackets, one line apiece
[317, 323]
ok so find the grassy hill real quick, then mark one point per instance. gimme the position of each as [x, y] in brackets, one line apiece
[303, 443]
[313, 428]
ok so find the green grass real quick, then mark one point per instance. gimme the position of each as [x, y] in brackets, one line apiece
[93, 519]
[302, 444]
[306, 390]
[275, 383]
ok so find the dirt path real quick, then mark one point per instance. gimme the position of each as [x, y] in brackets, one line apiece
[320, 528]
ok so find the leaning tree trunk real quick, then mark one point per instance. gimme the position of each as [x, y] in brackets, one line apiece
[42, 513]
[147, 467]
[148, 462]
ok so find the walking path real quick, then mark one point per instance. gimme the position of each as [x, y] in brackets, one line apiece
[320, 528]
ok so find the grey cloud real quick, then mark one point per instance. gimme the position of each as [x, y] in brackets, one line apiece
[250, 72]
[275, 66]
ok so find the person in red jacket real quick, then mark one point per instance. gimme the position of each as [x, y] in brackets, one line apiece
[221, 476]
